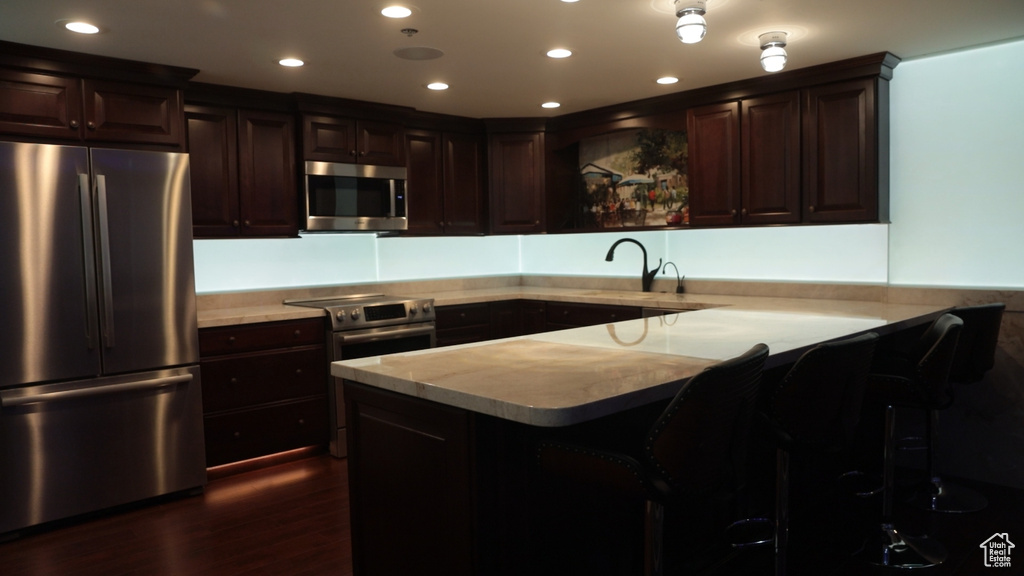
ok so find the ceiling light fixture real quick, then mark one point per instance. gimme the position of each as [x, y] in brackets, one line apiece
[667, 80]
[81, 27]
[396, 12]
[550, 105]
[691, 26]
[559, 53]
[773, 51]
[291, 62]
[437, 86]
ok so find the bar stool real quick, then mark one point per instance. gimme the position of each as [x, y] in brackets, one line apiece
[694, 450]
[815, 409]
[975, 355]
[922, 384]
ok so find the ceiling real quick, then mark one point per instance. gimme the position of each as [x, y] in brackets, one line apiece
[494, 50]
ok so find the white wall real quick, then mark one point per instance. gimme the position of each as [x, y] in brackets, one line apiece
[957, 174]
[957, 206]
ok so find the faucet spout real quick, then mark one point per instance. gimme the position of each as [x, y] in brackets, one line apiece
[679, 279]
[647, 276]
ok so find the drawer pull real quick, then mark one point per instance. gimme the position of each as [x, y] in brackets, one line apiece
[302, 422]
[237, 434]
[234, 380]
[298, 333]
[298, 370]
[231, 339]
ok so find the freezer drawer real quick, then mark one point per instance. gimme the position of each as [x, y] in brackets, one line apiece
[77, 447]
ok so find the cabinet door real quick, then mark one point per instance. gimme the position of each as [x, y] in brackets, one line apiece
[516, 182]
[424, 182]
[841, 152]
[266, 174]
[212, 135]
[118, 112]
[714, 142]
[328, 139]
[380, 143]
[463, 184]
[770, 131]
[40, 105]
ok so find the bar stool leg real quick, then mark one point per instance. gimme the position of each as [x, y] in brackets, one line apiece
[781, 510]
[888, 546]
[654, 523]
[943, 496]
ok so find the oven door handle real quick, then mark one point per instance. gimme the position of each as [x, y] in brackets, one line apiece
[385, 334]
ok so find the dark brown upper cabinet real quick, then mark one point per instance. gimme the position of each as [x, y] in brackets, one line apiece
[714, 164]
[68, 108]
[770, 161]
[843, 178]
[336, 139]
[119, 112]
[243, 172]
[516, 181]
[445, 187]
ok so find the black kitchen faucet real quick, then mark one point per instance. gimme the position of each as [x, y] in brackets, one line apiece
[646, 276]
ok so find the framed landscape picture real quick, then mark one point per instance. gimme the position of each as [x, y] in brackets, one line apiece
[634, 178]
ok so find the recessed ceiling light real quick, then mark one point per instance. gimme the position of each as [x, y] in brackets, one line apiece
[559, 53]
[667, 80]
[396, 12]
[570, 1]
[437, 86]
[290, 62]
[79, 27]
[550, 105]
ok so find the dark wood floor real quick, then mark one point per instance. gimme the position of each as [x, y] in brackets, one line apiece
[287, 519]
[292, 518]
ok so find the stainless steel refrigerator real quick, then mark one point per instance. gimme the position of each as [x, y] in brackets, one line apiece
[100, 398]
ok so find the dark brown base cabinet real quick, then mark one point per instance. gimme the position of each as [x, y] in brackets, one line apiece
[464, 323]
[264, 389]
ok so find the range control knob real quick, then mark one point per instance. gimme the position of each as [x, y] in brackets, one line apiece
[340, 315]
[413, 310]
[355, 314]
[426, 308]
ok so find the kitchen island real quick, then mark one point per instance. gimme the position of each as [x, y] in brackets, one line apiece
[441, 441]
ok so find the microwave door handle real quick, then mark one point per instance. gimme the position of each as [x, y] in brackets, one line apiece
[391, 211]
[88, 267]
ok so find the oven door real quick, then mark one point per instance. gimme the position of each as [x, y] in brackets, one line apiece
[362, 344]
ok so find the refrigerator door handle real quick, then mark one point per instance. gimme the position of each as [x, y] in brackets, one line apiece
[85, 205]
[9, 398]
[107, 286]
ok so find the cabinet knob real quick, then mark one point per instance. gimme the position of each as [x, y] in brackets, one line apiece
[440, 224]
[811, 208]
[231, 339]
[234, 380]
[302, 421]
[298, 371]
[744, 211]
[234, 223]
[91, 125]
[449, 223]
[462, 314]
[73, 123]
[363, 153]
[237, 434]
[247, 223]
[733, 212]
[352, 153]
[613, 316]
[536, 222]
[298, 333]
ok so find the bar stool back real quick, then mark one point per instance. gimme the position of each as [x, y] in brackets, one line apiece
[815, 408]
[695, 448]
[923, 385]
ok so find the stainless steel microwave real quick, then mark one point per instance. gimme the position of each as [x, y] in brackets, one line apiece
[347, 197]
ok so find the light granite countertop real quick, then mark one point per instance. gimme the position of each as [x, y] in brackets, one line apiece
[570, 376]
